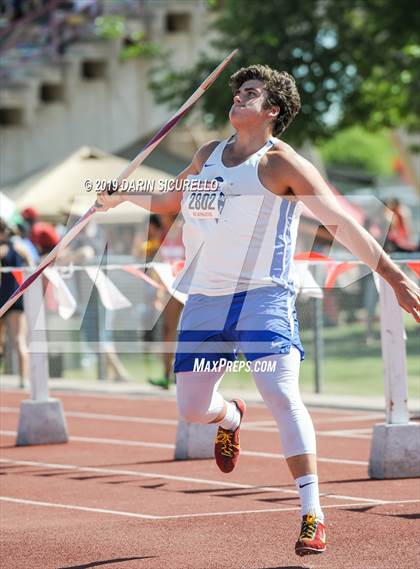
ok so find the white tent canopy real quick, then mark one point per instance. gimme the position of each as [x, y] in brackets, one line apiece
[61, 188]
[7, 208]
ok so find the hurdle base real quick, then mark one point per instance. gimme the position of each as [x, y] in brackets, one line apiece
[395, 451]
[194, 440]
[41, 423]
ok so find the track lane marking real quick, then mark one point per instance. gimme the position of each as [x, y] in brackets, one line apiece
[174, 422]
[117, 442]
[257, 454]
[22, 501]
[74, 507]
[340, 413]
[289, 509]
[260, 423]
[202, 481]
[105, 416]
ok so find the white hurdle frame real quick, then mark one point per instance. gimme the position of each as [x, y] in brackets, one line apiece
[395, 448]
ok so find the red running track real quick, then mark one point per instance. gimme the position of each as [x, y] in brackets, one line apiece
[114, 497]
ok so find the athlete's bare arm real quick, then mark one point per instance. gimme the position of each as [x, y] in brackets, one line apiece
[165, 203]
[286, 170]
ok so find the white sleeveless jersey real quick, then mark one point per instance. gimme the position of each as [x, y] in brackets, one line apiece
[251, 244]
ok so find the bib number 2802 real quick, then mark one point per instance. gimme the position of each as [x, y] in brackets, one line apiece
[203, 204]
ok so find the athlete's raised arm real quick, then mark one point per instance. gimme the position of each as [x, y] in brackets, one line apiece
[169, 202]
[309, 186]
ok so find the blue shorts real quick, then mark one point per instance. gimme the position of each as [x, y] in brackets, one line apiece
[258, 323]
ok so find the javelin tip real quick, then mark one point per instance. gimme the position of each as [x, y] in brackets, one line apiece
[211, 78]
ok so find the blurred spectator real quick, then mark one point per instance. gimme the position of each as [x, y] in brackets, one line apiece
[18, 9]
[23, 237]
[145, 249]
[393, 221]
[42, 234]
[171, 251]
[88, 7]
[400, 230]
[13, 322]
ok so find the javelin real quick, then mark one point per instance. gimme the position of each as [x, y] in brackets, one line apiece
[141, 156]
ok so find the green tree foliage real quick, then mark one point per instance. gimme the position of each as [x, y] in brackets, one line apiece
[355, 61]
[134, 44]
[370, 152]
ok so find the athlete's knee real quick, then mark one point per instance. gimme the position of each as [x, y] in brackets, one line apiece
[280, 387]
[280, 395]
[193, 413]
[197, 402]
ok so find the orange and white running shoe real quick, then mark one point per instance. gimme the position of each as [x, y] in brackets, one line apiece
[226, 444]
[312, 537]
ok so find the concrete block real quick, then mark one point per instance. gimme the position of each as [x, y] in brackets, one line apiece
[51, 74]
[194, 440]
[41, 423]
[395, 451]
[96, 49]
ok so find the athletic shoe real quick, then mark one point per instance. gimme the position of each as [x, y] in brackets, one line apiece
[164, 382]
[226, 447]
[312, 536]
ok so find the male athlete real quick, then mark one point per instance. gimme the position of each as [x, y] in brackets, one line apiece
[240, 239]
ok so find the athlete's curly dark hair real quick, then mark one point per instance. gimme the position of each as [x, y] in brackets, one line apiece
[281, 91]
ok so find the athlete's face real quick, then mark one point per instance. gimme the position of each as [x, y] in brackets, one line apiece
[249, 105]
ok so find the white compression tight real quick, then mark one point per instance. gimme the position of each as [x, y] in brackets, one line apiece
[200, 402]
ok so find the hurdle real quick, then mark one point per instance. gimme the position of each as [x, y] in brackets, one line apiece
[41, 418]
[395, 448]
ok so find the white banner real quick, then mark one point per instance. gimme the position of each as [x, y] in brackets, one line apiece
[66, 302]
[110, 296]
[164, 270]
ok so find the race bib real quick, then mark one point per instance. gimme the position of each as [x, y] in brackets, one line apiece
[205, 204]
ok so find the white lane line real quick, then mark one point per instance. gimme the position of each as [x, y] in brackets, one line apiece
[183, 516]
[202, 481]
[290, 509]
[319, 458]
[148, 444]
[348, 434]
[82, 394]
[81, 508]
[321, 421]
[117, 442]
[168, 398]
[353, 419]
[106, 417]
[269, 425]
[151, 421]
[252, 424]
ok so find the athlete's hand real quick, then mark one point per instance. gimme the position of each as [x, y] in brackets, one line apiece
[408, 296]
[105, 201]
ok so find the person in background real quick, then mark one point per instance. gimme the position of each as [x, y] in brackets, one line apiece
[22, 236]
[42, 234]
[144, 248]
[12, 255]
[170, 251]
[400, 232]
